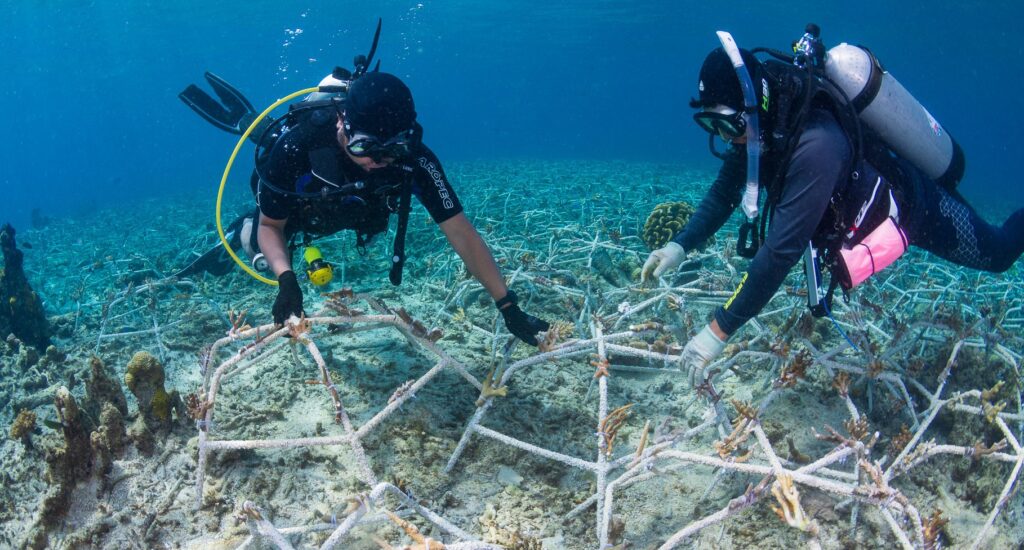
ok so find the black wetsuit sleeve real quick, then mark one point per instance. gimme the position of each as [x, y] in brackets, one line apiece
[820, 162]
[718, 204]
[272, 204]
[432, 188]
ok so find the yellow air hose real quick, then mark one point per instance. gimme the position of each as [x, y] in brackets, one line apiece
[227, 170]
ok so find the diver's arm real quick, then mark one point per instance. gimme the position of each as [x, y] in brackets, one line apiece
[820, 163]
[470, 246]
[718, 204]
[717, 329]
[270, 236]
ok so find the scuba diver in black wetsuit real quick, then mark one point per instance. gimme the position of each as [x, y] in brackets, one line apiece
[837, 190]
[344, 159]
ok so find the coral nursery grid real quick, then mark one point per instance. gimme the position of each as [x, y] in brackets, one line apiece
[854, 469]
[925, 347]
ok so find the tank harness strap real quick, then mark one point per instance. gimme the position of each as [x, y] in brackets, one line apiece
[833, 284]
[874, 84]
[404, 206]
[793, 127]
[323, 162]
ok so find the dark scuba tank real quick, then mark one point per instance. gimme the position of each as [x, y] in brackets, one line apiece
[887, 108]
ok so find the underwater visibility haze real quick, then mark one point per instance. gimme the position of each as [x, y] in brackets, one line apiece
[90, 86]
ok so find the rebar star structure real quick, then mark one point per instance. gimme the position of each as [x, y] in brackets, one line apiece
[265, 342]
[905, 350]
[850, 471]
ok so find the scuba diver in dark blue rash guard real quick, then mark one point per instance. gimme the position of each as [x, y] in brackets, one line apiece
[344, 161]
[837, 193]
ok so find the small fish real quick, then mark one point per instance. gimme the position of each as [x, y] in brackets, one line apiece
[52, 424]
[26, 245]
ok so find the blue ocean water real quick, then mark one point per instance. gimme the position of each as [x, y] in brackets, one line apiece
[92, 116]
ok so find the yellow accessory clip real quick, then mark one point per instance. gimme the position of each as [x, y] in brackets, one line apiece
[319, 271]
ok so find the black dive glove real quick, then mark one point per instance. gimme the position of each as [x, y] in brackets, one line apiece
[289, 298]
[523, 325]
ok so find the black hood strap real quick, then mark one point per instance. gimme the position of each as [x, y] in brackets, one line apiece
[404, 206]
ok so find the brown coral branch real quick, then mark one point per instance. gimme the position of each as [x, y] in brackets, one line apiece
[490, 389]
[789, 509]
[740, 433]
[196, 406]
[601, 365]
[933, 526]
[794, 370]
[979, 449]
[643, 445]
[610, 425]
[421, 542]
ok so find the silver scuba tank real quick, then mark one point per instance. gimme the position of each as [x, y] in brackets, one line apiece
[887, 108]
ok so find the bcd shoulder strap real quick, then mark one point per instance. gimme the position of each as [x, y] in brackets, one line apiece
[404, 206]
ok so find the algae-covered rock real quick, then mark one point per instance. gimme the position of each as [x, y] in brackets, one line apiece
[102, 388]
[69, 463]
[23, 426]
[603, 264]
[108, 440]
[140, 434]
[27, 358]
[145, 379]
[667, 219]
[52, 359]
[21, 310]
[77, 450]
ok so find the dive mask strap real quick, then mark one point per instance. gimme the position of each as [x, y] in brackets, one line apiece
[749, 202]
[711, 146]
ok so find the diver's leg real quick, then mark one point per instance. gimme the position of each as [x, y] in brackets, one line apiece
[216, 261]
[250, 243]
[952, 230]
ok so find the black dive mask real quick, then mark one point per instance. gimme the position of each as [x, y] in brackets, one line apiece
[365, 145]
[730, 126]
[400, 146]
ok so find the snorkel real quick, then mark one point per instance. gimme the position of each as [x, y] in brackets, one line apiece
[749, 203]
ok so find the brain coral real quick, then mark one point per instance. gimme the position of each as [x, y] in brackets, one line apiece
[667, 219]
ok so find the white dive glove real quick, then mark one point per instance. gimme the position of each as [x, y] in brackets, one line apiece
[699, 352]
[663, 259]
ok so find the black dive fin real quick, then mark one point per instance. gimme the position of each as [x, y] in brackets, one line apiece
[229, 114]
[232, 98]
[206, 107]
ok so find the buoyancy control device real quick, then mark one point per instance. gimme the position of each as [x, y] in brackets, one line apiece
[899, 124]
[330, 92]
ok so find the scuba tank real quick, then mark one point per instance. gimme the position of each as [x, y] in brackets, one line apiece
[888, 109]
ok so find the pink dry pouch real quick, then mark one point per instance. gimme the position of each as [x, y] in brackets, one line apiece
[873, 254]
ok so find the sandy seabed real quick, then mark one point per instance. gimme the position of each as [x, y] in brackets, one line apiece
[873, 440]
